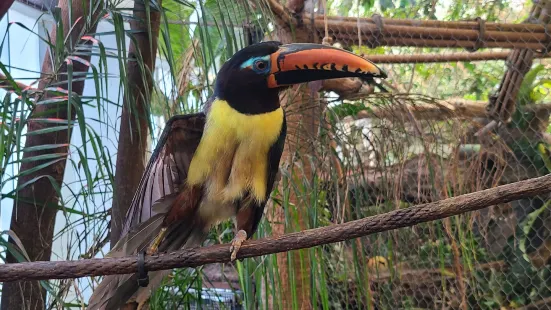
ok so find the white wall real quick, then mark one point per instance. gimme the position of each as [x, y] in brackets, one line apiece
[22, 53]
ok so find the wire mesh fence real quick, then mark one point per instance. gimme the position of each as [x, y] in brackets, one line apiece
[464, 108]
[489, 259]
[454, 123]
[460, 112]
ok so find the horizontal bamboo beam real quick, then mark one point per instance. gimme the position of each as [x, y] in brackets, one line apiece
[440, 34]
[300, 240]
[436, 58]
[429, 33]
[406, 41]
[472, 25]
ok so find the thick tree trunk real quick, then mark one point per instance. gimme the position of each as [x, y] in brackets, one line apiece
[33, 222]
[134, 120]
[135, 112]
[303, 113]
[4, 7]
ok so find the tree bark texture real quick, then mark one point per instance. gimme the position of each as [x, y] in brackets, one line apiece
[303, 113]
[135, 113]
[35, 210]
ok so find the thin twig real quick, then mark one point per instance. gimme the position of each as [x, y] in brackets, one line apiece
[7, 84]
[299, 240]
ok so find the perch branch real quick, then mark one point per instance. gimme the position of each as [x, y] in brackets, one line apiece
[293, 241]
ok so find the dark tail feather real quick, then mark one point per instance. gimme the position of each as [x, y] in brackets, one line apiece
[123, 288]
[116, 290]
[138, 238]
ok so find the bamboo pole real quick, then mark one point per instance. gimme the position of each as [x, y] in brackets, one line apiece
[408, 41]
[432, 33]
[474, 25]
[450, 57]
[503, 103]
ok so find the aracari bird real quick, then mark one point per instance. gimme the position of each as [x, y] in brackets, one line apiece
[220, 163]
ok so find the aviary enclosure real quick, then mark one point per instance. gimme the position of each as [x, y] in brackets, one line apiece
[465, 108]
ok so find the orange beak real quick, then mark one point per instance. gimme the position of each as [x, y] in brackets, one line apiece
[303, 62]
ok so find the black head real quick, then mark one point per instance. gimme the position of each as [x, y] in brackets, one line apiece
[242, 79]
[251, 80]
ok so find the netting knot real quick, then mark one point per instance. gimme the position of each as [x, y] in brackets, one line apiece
[547, 48]
[327, 41]
[374, 40]
[143, 277]
[480, 41]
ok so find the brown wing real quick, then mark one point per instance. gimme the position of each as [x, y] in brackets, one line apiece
[167, 168]
[165, 173]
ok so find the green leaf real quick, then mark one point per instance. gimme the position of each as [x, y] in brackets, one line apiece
[528, 85]
[43, 147]
[41, 157]
[20, 247]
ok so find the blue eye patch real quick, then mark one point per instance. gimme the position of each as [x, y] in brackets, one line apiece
[258, 64]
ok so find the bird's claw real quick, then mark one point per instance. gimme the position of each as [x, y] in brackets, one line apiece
[236, 243]
[154, 248]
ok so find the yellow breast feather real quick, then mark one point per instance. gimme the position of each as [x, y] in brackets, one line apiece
[232, 156]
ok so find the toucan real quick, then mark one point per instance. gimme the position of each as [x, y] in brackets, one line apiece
[221, 163]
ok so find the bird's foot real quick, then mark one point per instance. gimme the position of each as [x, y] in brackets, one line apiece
[236, 243]
[153, 249]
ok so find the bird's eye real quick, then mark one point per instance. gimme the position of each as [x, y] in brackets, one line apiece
[260, 65]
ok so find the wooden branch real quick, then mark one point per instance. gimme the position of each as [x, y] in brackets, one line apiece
[451, 57]
[7, 85]
[299, 240]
